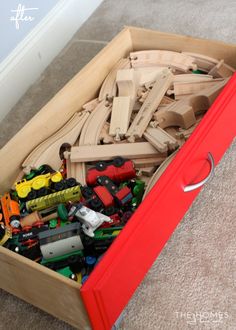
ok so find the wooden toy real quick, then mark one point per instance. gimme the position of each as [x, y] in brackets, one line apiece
[109, 151]
[147, 75]
[182, 112]
[48, 151]
[127, 82]
[182, 89]
[160, 139]
[204, 63]
[94, 124]
[91, 105]
[151, 161]
[105, 137]
[222, 70]
[179, 61]
[151, 103]
[120, 116]
[109, 87]
[158, 173]
[191, 77]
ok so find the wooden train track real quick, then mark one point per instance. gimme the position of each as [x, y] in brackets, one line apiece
[160, 139]
[204, 63]
[179, 61]
[109, 87]
[182, 89]
[161, 169]
[149, 106]
[105, 152]
[182, 112]
[48, 151]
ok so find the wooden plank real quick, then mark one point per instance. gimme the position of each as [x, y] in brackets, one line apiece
[160, 139]
[120, 116]
[109, 151]
[166, 58]
[42, 287]
[109, 87]
[47, 152]
[182, 112]
[149, 106]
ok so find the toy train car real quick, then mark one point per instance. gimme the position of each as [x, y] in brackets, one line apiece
[118, 170]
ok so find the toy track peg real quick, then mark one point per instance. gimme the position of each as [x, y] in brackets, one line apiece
[141, 121]
[179, 61]
[91, 105]
[48, 151]
[109, 87]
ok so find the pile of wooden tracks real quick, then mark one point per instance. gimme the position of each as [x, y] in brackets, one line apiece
[147, 107]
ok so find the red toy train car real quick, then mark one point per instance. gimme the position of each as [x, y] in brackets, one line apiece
[118, 170]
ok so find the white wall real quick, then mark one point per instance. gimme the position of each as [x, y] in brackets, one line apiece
[39, 46]
[10, 37]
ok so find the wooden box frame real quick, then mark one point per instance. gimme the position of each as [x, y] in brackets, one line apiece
[42, 287]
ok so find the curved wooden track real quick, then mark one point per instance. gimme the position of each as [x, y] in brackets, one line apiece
[179, 61]
[158, 173]
[47, 152]
[109, 87]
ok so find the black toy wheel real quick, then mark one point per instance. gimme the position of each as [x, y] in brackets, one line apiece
[101, 166]
[118, 161]
[32, 195]
[71, 182]
[61, 185]
[42, 192]
[95, 204]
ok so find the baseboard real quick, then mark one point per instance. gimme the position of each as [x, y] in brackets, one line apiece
[30, 58]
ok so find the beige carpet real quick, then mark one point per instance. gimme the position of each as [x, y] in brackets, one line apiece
[192, 283]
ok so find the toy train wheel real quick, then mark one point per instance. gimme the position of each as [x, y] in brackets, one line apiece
[58, 186]
[32, 194]
[42, 192]
[118, 161]
[101, 166]
[71, 182]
